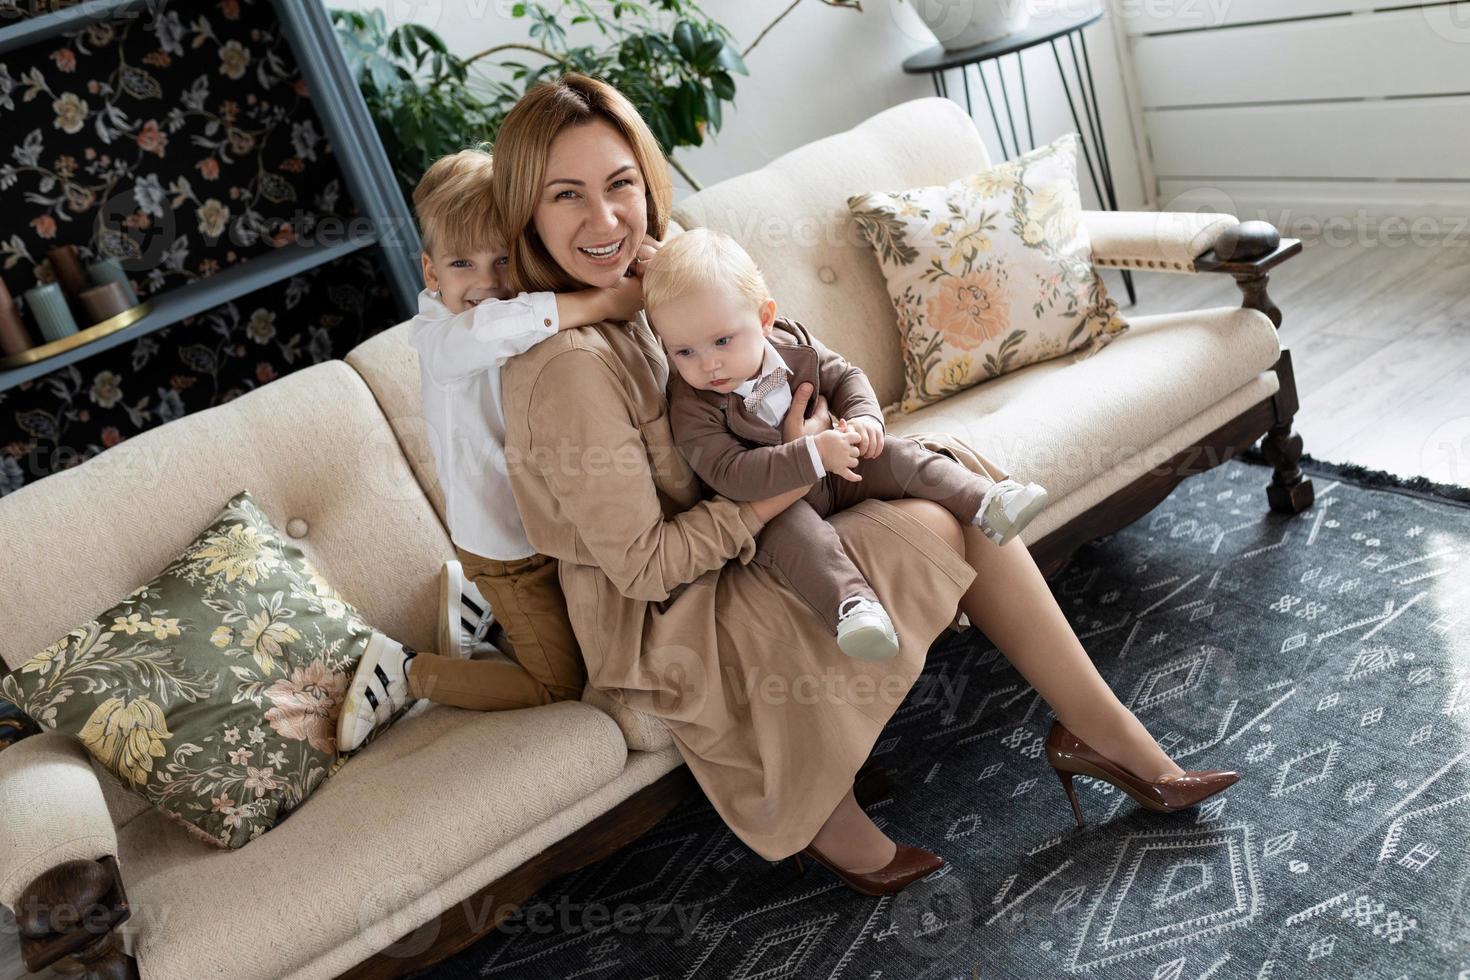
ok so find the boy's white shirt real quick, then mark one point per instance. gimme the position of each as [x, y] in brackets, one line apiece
[460, 356]
[772, 409]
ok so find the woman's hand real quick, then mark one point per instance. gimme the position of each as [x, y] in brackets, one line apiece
[794, 426]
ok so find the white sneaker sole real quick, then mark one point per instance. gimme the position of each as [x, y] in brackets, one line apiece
[451, 587]
[868, 643]
[1026, 516]
[357, 719]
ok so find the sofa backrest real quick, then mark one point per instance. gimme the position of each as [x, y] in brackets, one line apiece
[791, 215]
[390, 366]
[310, 447]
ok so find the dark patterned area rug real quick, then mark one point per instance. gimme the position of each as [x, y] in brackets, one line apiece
[1326, 656]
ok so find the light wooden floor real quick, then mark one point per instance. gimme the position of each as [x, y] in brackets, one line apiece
[1380, 341]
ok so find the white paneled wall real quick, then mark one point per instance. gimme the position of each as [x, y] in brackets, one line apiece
[1291, 109]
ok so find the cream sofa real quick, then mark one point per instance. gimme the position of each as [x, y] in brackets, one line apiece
[391, 864]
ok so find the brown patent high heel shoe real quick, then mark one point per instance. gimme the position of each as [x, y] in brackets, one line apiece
[909, 864]
[1070, 756]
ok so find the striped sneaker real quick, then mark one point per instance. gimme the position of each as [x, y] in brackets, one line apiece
[464, 615]
[378, 689]
[1007, 508]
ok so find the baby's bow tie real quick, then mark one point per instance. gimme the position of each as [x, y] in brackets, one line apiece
[764, 387]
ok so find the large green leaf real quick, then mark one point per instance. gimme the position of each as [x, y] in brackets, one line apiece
[730, 60]
[686, 38]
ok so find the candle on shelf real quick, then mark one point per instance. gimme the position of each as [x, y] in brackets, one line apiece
[13, 336]
[111, 270]
[53, 317]
[66, 263]
[106, 301]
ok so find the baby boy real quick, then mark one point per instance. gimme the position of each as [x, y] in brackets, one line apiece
[738, 364]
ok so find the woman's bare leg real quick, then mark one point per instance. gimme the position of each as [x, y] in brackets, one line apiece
[852, 841]
[1010, 603]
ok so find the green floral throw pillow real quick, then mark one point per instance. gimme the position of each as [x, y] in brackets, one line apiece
[213, 690]
[989, 273]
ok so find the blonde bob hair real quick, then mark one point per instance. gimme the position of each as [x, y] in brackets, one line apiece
[697, 258]
[521, 151]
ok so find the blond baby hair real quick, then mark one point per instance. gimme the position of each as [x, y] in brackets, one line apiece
[698, 257]
[455, 204]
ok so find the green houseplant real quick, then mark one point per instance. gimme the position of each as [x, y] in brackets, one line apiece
[675, 62]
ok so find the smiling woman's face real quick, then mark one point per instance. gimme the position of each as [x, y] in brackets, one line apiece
[593, 210]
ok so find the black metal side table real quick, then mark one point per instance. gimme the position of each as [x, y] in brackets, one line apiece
[1047, 29]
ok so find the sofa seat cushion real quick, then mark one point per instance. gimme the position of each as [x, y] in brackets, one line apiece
[430, 797]
[644, 732]
[1063, 423]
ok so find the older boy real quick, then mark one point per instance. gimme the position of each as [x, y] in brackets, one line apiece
[468, 326]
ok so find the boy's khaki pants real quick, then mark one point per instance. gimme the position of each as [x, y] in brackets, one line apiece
[526, 598]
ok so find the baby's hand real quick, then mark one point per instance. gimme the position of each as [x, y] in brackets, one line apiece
[871, 431]
[839, 452]
[623, 301]
[647, 249]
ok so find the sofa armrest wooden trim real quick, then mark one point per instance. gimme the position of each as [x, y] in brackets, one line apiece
[1252, 275]
[54, 811]
[1288, 247]
[70, 914]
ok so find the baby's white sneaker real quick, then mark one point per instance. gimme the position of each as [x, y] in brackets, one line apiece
[464, 615]
[864, 630]
[1007, 507]
[378, 689]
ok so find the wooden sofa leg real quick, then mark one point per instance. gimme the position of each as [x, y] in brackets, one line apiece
[67, 918]
[1290, 492]
[1255, 297]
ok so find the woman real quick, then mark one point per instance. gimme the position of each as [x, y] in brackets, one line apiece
[772, 720]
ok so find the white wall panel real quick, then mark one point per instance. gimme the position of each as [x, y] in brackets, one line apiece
[1151, 16]
[1404, 52]
[1418, 139]
[1305, 105]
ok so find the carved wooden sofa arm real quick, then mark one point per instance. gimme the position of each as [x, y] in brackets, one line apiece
[58, 869]
[1182, 242]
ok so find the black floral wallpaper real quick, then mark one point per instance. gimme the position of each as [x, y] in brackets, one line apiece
[72, 414]
[180, 140]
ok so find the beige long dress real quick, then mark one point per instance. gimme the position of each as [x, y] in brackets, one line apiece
[772, 718]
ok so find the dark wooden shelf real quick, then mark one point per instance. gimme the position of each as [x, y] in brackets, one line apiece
[344, 116]
[19, 33]
[201, 295]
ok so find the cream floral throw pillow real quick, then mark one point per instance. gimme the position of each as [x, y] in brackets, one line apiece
[989, 273]
[213, 690]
